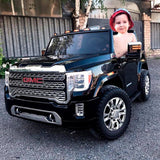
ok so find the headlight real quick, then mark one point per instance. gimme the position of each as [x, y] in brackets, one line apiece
[6, 78]
[79, 81]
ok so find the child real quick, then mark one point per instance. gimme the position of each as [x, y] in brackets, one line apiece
[121, 22]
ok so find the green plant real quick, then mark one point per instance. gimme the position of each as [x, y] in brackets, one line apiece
[5, 64]
[1, 63]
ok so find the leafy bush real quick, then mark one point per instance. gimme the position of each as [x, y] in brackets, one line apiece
[5, 64]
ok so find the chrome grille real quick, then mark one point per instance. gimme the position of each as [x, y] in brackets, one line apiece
[46, 76]
[47, 85]
[53, 86]
[59, 95]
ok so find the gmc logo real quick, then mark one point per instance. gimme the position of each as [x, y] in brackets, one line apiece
[32, 80]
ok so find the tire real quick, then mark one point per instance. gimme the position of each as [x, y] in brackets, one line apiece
[114, 112]
[145, 86]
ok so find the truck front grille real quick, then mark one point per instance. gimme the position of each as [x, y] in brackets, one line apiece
[52, 85]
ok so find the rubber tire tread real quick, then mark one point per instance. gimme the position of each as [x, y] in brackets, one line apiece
[143, 96]
[106, 94]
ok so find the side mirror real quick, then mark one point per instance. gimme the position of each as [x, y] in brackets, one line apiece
[134, 50]
[43, 51]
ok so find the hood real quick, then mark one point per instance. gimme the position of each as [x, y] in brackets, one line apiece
[76, 62]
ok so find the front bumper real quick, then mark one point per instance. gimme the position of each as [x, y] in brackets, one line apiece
[49, 111]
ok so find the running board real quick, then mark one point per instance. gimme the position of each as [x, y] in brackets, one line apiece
[36, 115]
[136, 95]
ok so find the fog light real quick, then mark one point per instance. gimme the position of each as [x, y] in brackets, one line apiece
[17, 111]
[51, 117]
[79, 108]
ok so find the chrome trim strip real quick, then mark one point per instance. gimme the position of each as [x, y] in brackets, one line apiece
[31, 68]
[51, 99]
[129, 84]
[36, 117]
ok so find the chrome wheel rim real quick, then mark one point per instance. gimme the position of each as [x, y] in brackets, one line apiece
[147, 85]
[114, 114]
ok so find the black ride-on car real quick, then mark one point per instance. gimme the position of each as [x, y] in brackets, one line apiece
[79, 80]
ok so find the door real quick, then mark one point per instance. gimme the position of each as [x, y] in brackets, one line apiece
[128, 71]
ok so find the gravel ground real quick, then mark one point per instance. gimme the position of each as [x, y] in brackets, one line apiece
[27, 140]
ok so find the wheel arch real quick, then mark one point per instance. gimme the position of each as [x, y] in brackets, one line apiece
[108, 80]
[141, 67]
[144, 66]
[116, 81]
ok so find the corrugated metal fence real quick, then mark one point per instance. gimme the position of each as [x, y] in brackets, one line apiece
[155, 35]
[27, 36]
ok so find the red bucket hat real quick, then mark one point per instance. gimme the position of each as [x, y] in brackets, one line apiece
[112, 19]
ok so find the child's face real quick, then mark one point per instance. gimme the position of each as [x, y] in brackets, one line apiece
[121, 23]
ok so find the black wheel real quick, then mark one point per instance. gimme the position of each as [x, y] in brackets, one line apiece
[145, 86]
[114, 112]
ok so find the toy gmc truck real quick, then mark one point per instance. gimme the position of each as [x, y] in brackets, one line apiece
[79, 80]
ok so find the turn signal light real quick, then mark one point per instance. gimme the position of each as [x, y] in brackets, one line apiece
[103, 28]
[67, 31]
[76, 30]
[134, 47]
[110, 73]
[86, 29]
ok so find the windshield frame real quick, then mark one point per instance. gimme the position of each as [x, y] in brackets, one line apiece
[110, 34]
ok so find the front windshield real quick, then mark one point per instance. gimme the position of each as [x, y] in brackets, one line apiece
[81, 43]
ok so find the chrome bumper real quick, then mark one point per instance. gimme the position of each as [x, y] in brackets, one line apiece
[36, 115]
